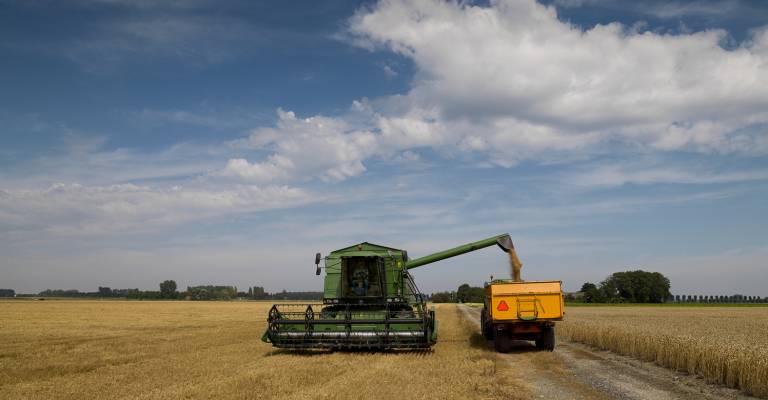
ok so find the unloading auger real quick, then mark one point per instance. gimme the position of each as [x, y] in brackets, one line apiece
[369, 301]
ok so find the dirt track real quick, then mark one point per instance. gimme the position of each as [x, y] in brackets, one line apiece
[575, 371]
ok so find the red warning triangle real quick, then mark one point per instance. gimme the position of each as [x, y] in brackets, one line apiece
[502, 306]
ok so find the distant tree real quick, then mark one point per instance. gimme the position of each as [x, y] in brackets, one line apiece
[61, 293]
[285, 295]
[105, 291]
[608, 291]
[210, 292]
[259, 293]
[150, 295]
[443, 297]
[591, 293]
[636, 287]
[469, 294]
[7, 293]
[168, 289]
[587, 286]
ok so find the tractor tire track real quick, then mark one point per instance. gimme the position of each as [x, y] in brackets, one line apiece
[576, 371]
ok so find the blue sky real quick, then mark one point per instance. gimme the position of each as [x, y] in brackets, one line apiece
[227, 142]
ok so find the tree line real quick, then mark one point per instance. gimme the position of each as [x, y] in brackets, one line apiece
[168, 290]
[647, 287]
[627, 287]
[734, 298]
[620, 287]
[464, 294]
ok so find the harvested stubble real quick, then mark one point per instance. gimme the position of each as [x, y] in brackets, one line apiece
[727, 345]
[172, 350]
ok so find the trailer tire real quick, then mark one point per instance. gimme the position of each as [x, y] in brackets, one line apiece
[502, 342]
[546, 340]
[485, 326]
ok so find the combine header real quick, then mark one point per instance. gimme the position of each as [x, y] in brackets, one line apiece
[370, 301]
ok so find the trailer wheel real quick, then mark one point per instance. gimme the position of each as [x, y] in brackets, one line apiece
[485, 326]
[546, 340]
[502, 342]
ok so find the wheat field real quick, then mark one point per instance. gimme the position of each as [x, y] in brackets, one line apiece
[723, 345]
[164, 350]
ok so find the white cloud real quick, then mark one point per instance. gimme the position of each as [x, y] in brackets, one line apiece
[510, 83]
[317, 147]
[665, 9]
[83, 159]
[72, 208]
[614, 175]
[206, 117]
[513, 80]
[389, 71]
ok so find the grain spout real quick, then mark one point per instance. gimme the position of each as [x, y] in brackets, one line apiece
[515, 265]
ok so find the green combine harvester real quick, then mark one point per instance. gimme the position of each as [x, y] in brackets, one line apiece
[370, 302]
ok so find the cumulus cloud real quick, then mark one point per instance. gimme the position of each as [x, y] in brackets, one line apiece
[513, 75]
[497, 85]
[73, 208]
[327, 148]
[510, 82]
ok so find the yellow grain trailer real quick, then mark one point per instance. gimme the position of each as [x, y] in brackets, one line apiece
[522, 311]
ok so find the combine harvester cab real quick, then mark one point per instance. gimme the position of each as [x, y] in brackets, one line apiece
[517, 310]
[370, 301]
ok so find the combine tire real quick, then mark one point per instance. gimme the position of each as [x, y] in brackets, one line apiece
[502, 342]
[547, 339]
